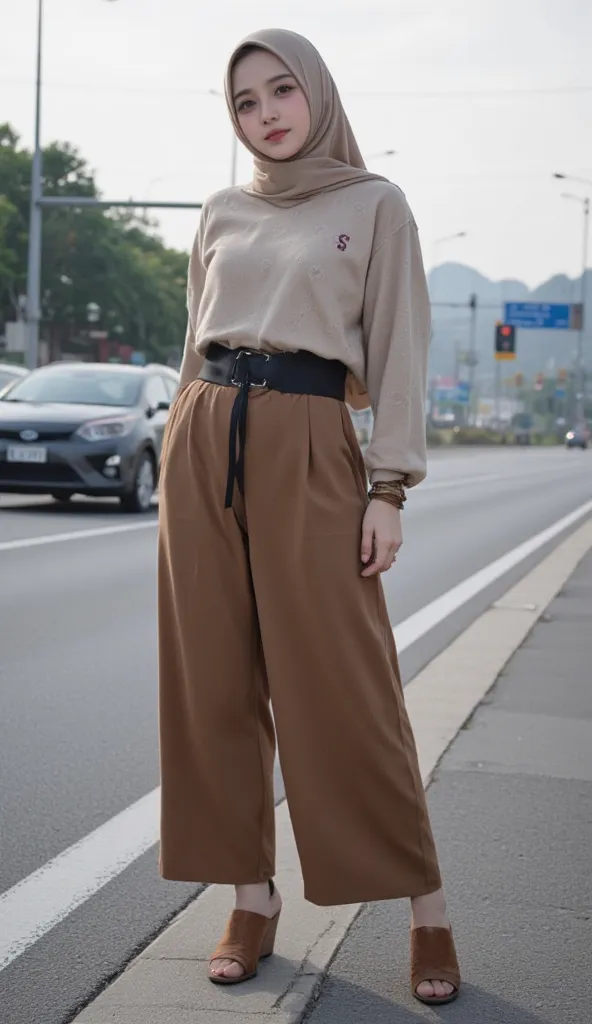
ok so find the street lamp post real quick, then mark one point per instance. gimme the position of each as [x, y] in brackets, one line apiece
[383, 153]
[35, 221]
[449, 238]
[34, 255]
[580, 375]
[442, 241]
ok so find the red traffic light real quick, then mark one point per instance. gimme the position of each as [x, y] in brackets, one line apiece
[506, 331]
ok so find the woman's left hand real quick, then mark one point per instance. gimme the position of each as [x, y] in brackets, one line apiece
[382, 536]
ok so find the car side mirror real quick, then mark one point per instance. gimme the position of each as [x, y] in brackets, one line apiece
[161, 406]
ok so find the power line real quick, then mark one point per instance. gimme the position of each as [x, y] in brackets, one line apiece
[550, 90]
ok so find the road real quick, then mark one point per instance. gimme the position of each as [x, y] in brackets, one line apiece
[78, 743]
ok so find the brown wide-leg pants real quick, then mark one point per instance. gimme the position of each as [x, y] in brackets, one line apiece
[266, 599]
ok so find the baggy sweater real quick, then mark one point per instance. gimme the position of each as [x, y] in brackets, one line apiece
[340, 275]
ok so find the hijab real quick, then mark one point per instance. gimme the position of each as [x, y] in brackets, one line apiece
[330, 158]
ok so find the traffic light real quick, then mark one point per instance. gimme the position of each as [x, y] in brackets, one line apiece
[505, 341]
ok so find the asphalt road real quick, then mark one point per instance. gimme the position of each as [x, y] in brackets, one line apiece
[78, 738]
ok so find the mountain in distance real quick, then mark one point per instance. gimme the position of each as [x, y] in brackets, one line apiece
[537, 351]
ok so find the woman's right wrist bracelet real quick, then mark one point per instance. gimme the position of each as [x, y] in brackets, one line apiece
[391, 491]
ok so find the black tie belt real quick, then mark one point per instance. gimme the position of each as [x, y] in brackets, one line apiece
[294, 373]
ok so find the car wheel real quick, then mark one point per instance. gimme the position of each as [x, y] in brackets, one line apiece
[140, 496]
[62, 498]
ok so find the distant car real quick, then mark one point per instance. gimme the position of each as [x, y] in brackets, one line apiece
[523, 428]
[9, 373]
[577, 438]
[86, 428]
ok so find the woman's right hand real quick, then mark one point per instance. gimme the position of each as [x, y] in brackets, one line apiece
[382, 536]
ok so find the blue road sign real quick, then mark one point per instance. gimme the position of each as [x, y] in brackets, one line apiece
[458, 395]
[549, 315]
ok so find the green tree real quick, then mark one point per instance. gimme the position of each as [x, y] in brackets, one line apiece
[110, 258]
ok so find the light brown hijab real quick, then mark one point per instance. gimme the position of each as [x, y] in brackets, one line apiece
[330, 158]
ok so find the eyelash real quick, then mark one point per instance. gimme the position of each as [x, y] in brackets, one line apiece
[242, 108]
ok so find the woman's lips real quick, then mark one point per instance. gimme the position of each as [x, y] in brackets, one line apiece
[277, 135]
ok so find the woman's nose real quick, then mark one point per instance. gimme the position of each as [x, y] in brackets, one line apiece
[268, 112]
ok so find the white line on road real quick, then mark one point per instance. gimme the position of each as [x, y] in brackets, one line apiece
[39, 902]
[518, 477]
[32, 907]
[417, 625]
[60, 538]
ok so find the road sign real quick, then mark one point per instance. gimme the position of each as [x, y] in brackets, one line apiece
[442, 395]
[541, 315]
[458, 394]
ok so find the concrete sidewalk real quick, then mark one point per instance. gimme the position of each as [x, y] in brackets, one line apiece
[511, 806]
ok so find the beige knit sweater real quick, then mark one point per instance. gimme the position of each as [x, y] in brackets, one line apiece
[340, 275]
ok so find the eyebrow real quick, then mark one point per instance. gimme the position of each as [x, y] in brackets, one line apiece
[270, 81]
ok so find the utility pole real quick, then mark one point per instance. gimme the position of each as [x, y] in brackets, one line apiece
[581, 377]
[35, 219]
[473, 357]
[497, 393]
[580, 380]
[234, 160]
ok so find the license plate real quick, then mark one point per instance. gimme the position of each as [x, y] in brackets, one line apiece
[26, 453]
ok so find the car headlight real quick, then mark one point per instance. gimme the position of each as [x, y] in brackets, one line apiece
[569, 436]
[103, 430]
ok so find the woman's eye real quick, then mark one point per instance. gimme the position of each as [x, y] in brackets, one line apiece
[285, 89]
[245, 105]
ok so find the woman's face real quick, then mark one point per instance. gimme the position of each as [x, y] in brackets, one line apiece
[270, 105]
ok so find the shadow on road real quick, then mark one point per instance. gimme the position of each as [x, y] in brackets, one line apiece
[349, 1004]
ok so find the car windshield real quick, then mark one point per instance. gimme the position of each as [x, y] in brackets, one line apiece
[78, 387]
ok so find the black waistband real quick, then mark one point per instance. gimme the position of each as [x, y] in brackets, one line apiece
[295, 373]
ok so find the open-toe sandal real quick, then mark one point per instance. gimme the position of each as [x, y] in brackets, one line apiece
[433, 958]
[248, 938]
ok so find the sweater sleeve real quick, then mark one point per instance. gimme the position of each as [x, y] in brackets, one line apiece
[396, 325]
[192, 359]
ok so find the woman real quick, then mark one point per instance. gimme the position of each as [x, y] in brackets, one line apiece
[305, 288]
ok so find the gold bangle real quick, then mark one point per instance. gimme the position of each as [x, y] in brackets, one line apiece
[391, 491]
[391, 499]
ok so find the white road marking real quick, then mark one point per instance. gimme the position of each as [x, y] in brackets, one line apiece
[417, 625]
[60, 538]
[106, 531]
[468, 480]
[43, 899]
[39, 902]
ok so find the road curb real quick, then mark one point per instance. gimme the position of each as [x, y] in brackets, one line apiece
[167, 983]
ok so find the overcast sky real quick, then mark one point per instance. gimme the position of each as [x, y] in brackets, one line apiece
[483, 100]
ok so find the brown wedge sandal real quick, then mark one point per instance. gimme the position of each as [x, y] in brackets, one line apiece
[248, 938]
[433, 958]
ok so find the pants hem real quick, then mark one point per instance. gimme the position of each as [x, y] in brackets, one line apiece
[368, 895]
[191, 875]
